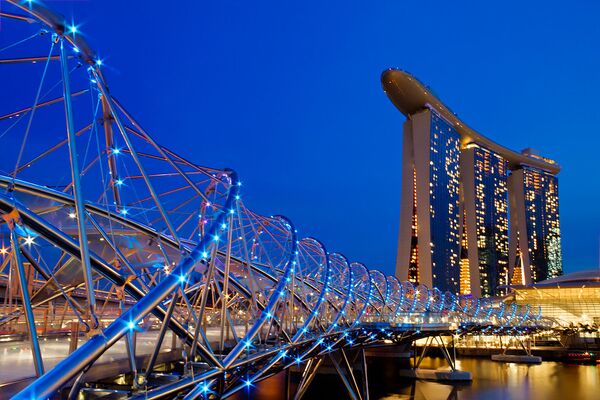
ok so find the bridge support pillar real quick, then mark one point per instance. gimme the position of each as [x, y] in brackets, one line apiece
[343, 363]
[449, 373]
[527, 358]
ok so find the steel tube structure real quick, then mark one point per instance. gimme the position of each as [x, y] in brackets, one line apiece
[22, 276]
[77, 190]
[157, 244]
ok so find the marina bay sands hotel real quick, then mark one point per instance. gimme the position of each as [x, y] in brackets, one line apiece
[475, 216]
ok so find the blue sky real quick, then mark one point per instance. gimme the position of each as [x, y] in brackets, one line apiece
[288, 94]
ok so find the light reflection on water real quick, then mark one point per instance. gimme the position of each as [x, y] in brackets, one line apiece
[491, 381]
[499, 381]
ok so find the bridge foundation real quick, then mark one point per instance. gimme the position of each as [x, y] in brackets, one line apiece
[440, 374]
[526, 358]
[349, 365]
[448, 373]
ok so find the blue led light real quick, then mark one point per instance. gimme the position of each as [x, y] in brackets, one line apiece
[204, 254]
[130, 325]
[73, 29]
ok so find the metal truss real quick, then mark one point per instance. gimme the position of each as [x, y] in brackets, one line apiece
[108, 236]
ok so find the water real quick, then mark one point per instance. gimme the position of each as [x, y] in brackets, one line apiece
[491, 381]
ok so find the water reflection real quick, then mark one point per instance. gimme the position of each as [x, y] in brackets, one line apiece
[423, 390]
[491, 381]
[499, 381]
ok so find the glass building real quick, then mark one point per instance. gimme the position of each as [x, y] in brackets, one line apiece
[444, 201]
[542, 224]
[571, 298]
[491, 215]
[430, 243]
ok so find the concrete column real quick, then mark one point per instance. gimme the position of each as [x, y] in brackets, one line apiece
[421, 129]
[406, 204]
[518, 224]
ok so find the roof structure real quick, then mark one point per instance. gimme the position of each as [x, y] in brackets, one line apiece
[410, 96]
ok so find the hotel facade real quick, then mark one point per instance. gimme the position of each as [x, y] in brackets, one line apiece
[474, 216]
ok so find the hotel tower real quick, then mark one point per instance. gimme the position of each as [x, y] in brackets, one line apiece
[475, 216]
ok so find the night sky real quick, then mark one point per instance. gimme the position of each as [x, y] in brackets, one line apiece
[289, 96]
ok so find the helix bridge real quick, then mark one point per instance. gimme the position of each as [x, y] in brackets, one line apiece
[117, 254]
